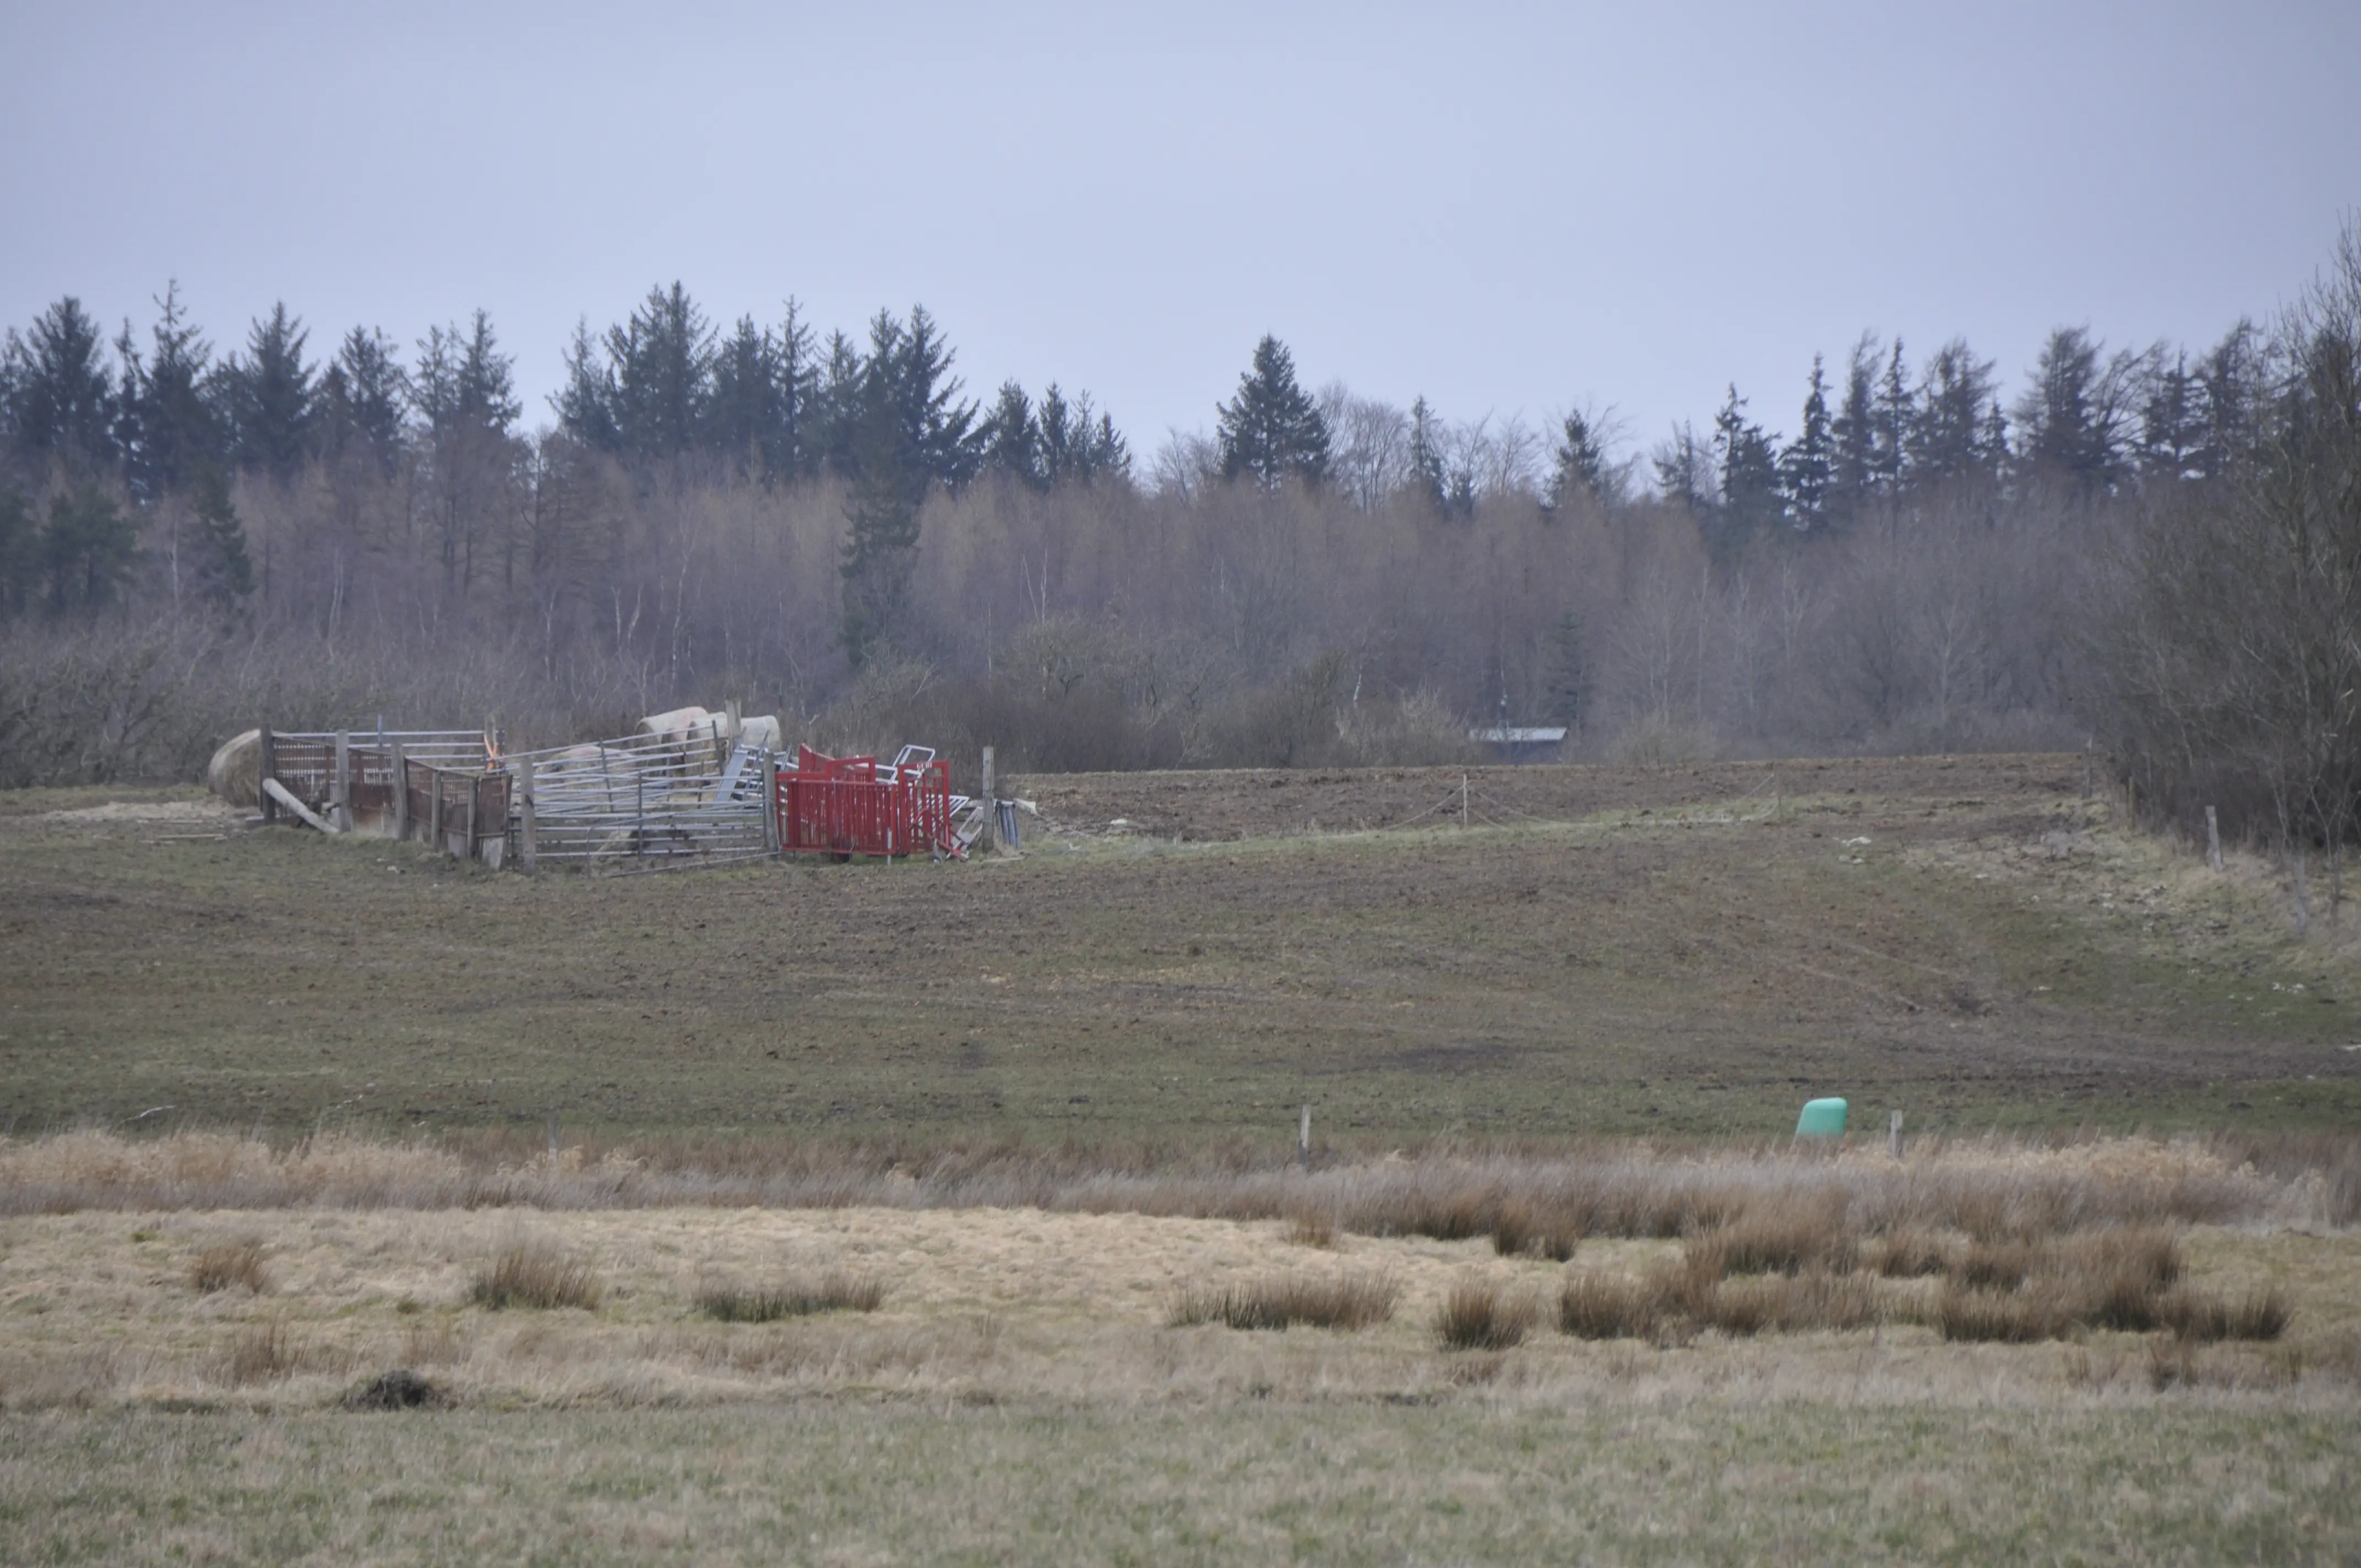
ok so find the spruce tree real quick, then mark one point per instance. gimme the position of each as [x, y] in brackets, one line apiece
[586, 404]
[747, 412]
[361, 398]
[267, 396]
[1749, 475]
[1808, 468]
[1853, 430]
[87, 549]
[662, 360]
[2172, 424]
[1569, 672]
[1426, 472]
[1272, 430]
[1683, 473]
[167, 427]
[224, 572]
[1889, 449]
[63, 398]
[20, 554]
[1947, 434]
[1579, 464]
[1011, 439]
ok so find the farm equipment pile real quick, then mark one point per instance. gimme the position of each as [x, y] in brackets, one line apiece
[689, 787]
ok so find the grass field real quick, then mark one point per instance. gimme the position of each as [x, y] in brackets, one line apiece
[899, 1214]
[1972, 943]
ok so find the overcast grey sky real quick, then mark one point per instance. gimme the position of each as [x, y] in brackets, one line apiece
[1509, 208]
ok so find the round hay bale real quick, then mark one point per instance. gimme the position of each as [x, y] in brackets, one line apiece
[761, 730]
[677, 723]
[236, 772]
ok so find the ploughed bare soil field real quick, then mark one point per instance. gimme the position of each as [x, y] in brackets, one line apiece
[1664, 952]
[357, 1205]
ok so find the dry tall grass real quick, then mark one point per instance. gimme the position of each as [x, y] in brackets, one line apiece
[1319, 1301]
[228, 1264]
[1993, 1189]
[531, 1274]
[831, 1292]
[1483, 1314]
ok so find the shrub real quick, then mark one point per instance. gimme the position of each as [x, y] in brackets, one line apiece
[532, 1275]
[2195, 1315]
[1335, 1302]
[230, 1263]
[797, 1299]
[401, 1389]
[1481, 1315]
[1522, 1227]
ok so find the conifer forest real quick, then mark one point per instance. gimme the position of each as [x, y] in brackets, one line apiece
[2153, 550]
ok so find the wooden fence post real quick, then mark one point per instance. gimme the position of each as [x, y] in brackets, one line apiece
[435, 809]
[526, 846]
[340, 783]
[475, 794]
[400, 795]
[991, 837]
[1894, 1135]
[2212, 839]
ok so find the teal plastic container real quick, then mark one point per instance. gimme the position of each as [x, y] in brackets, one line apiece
[1821, 1118]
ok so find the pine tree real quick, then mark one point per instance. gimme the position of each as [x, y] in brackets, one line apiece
[662, 361]
[1853, 462]
[1011, 439]
[361, 396]
[747, 412]
[1272, 430]
[1684, 474]
[20, 552]
[1947, 435]
[1426, 474]
[1808, 468]
[796, 456]
[223, 571]
[1579, 468]
[2231, 388]
[1890, 450]
[586, 404]
[1749, 475]
[167, 426]
[267, 396]
[2068, 413]
[2172, 424]
[87, 549]
[61, 395]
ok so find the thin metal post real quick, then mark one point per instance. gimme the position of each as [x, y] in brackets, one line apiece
[528, 846]
[340, 786]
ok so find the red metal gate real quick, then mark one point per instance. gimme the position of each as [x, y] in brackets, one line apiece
[851, 806]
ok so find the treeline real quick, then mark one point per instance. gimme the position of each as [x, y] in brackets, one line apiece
[192, 541]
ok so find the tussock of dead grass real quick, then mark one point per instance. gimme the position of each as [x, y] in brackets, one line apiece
[1312, 1227]
[1353, 1301]
[230, 1264]
[1785, 1234]
[1524, 1227]
[1482, 1314]
[263, 1352]
[530, 1275]
[833, 1292]
[1910, 1254]
[2203, 1316]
